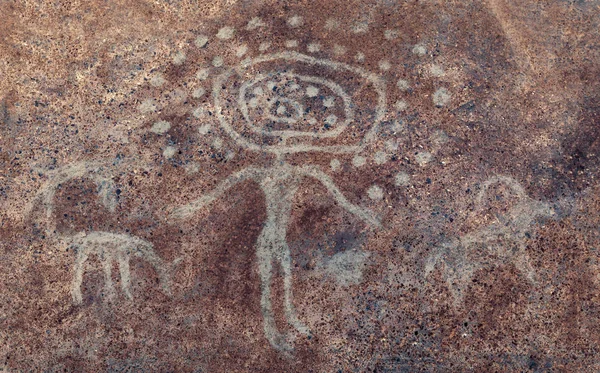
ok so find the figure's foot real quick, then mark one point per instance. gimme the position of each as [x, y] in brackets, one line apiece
[281, 342]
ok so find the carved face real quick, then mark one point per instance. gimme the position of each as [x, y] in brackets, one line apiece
[289, 102]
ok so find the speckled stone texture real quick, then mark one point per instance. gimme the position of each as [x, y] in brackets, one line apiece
[277, 186]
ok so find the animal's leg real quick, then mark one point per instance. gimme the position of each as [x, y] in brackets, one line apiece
[78, 276]
[523, 263]
[123, 260]
[108, 284]
[265, 266]
[290, 311]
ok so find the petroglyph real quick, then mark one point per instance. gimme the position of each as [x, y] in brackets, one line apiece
[290, 96]
[502, 241]
[112, 247]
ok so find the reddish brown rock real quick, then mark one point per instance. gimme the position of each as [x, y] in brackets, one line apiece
[292, 187]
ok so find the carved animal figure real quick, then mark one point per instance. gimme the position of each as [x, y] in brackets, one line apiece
[503, 240]
[111, 247]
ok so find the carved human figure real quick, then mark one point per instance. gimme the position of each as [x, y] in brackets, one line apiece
[270, 115]
[110, 248]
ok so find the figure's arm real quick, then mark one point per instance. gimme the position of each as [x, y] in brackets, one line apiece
[360, 212]
[189, 209]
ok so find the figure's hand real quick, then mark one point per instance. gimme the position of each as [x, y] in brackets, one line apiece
[188, 210]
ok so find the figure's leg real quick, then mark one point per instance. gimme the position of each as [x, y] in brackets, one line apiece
[290, 311]
[107, 267]
[78, 276]
[123, 260]
[265, 266]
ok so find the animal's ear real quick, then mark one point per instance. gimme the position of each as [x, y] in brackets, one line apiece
[107, 192]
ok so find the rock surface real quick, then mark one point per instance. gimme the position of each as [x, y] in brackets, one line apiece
[274, 186]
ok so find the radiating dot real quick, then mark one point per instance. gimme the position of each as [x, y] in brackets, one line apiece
[271, 85]
[281, 110]
[160, 127]
[204, 129]
[217, 61]
[390, 34]
[264, 46]
[198, 92]
[198, 112]
[436, 70]
[226, 32]
[147, 106]
[241, 50]
[202, 74]
[401, 105]
[423, 158]
[391, 145]
[375, 192]
[246, 62]
[360, 28]
[332, 24]
[253, 103]
[331, 120]
[258, 91]
[217, 143]
[381, 157]
[339, 50]
[295, 86]
[402, 85]
[401, 179]
[441, 97]
[255, 23]
[314, 47]
[291, 43]
[201, 41]
[179, 58]
[295, 21]
[419, 50]
[335, 164]
[360, 57]
[359, 161]
[169, 152]
[329, 102]
[157, 80]
[384, 65]
[312, 121]
[312, 91]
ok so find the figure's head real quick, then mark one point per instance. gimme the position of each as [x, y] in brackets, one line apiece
[288, 102]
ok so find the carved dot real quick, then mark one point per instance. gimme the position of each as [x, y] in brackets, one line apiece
[217, 61]
[360, 57]
[335, 164]
[264, 46]
[339, 50]
[441, 97]
[295, 21]
[161, 127]
[314, 47]
[390, 34]
[375, 192]
[204, 129]
[201, 41]
[291, 43]
[255, 23]
[169, 152]
[385, 65]
[423, 158]
[198, 92]
[402, 179]
[179, 58]
[157, 80]
[241, 50]
[419, 50]
[312, 91]
[329, 102]
[202, 74]
[402, 85]
[359, 161]
[380, 158]
[401, 105]
[226, 32]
